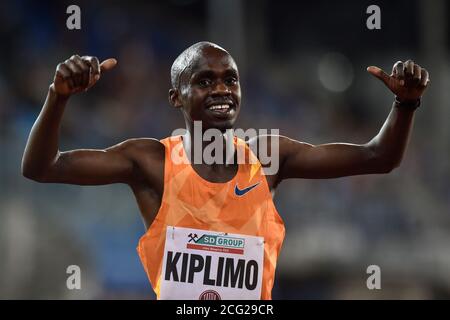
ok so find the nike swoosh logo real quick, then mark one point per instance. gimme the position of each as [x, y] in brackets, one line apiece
[241, 192]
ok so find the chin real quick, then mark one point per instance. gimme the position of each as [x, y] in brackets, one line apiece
[223, 125]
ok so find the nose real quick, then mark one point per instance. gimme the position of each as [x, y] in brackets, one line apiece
[220, 88]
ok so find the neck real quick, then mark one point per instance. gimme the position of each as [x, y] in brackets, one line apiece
[213, 148]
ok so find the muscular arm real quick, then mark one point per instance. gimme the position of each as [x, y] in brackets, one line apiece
[42, 161]
[380, 155]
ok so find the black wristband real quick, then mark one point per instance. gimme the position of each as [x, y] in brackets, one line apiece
[411, 105]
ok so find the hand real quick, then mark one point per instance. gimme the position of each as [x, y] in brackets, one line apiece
[79, 74]
[407, 81]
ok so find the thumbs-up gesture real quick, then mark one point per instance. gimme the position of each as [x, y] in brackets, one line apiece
[407, 81]
[79, 74]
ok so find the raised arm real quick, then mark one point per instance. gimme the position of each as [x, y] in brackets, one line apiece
[381, 154]
[42, 161]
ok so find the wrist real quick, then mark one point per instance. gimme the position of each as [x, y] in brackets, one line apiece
[52, 92]
[407, 104]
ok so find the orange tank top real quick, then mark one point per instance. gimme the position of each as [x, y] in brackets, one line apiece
[190, 201]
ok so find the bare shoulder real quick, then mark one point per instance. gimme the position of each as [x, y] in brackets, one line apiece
[137, 148]
[147, 156]
[269, 151]
[276, 145]
[273, 151]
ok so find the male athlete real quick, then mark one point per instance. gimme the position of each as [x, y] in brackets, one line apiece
[212, 229]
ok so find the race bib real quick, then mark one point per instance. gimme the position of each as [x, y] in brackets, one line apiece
[208, 265]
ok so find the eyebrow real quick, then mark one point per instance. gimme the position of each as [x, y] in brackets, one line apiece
[210, 73]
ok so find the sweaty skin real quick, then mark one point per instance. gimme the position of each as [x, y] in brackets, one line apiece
[206, 74]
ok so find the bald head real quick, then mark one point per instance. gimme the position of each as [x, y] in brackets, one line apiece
[184, 63]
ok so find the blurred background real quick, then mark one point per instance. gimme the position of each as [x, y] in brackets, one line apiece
[303, 69]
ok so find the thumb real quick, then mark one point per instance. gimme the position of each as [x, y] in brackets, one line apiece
[108, 64]
[380, 74]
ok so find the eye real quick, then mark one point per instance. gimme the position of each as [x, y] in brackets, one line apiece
[231, 81]
[204, 83]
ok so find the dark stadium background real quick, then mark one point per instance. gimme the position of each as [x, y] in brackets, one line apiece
[303, 71]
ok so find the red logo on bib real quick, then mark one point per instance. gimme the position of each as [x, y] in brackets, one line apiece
[209, 295]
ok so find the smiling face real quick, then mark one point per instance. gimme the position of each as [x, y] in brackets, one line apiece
[207, 89]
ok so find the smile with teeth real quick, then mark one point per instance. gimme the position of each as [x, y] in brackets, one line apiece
[221, 108]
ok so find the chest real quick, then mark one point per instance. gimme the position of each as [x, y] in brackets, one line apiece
[216, 173]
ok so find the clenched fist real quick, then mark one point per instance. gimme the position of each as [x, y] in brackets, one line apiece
[79, 74]
[407, 81]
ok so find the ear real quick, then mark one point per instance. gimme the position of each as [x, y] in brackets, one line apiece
[174, 98]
